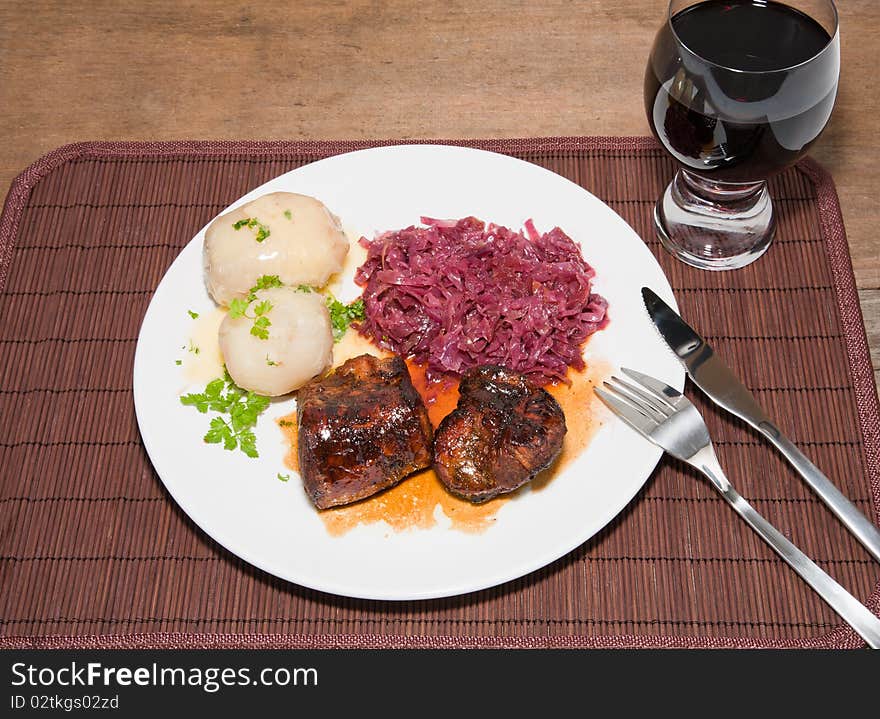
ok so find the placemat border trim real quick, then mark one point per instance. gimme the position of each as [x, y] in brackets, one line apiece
[842, 638]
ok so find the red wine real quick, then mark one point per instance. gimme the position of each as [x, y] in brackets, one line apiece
[739, 89]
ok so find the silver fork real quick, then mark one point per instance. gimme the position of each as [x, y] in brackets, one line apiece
[667, 418]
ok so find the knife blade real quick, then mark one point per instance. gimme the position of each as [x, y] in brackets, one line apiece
[723, 387]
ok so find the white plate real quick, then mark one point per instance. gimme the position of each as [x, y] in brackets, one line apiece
[241, 504]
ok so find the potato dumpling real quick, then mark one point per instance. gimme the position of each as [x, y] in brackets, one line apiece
[297, 347]
[292, 236]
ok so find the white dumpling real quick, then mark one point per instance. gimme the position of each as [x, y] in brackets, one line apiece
[305, 244]
[299, 345]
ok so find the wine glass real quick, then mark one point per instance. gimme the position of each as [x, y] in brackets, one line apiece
[736, 90]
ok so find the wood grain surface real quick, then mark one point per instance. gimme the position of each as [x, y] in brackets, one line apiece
[117, 69]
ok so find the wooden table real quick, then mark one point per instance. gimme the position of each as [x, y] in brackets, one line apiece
[118, 69]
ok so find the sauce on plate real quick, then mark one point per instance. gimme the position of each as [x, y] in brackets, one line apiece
[201, 359]
[420, 501]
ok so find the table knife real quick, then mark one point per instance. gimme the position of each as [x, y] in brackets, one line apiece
[714, 378]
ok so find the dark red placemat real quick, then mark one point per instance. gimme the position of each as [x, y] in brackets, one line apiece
[93, 551]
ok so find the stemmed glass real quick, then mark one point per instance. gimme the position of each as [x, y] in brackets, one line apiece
[736, 90]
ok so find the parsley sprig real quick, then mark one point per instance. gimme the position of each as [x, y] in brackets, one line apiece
[265, 282]
[253, 223]
[342, 315]
[239, 307]
[261, 322]
[238, 412]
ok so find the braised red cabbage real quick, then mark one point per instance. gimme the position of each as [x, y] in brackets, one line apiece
[458, 294]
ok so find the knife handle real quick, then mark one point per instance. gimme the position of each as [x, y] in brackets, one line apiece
[857, 523]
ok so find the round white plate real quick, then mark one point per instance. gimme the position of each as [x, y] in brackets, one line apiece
[239, 501]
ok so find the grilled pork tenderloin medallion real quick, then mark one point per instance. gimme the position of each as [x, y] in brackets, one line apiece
[361, 429]
[502, 433]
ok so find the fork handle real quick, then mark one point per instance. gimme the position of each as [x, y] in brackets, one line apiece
[841, 601]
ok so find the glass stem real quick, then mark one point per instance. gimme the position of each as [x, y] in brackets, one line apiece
[726, 193]
[714, 225]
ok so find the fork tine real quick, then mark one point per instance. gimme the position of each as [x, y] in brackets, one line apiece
[645, 401]
[634, 418]
[659, 389]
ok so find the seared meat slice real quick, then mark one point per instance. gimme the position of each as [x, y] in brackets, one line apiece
[361, 430]
[502, 433]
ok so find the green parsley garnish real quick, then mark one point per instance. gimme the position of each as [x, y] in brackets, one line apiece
[178, 362]
[305, 288]
[284, 477]
[239, 307]
[261, 322]
[341, 315]
[288, 214]
[222, 395]
[262, 308]
[267, 282]
[192, 348]
[194, 315]
[253, 223]
[270, 362]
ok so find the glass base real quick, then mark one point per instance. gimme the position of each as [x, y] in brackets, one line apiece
[712, 225]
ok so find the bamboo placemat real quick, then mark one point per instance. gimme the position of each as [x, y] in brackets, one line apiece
[94, 552]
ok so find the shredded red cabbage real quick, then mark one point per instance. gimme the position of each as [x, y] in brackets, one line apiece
[458, 294]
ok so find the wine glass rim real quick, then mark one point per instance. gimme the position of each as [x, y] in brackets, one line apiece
[831, 41]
